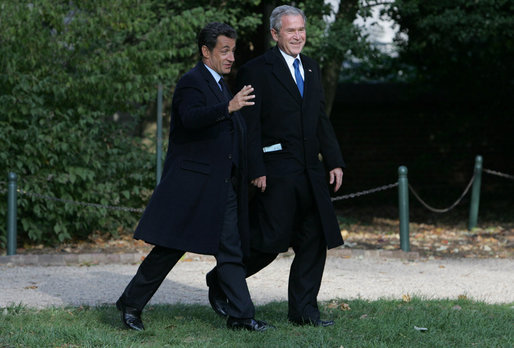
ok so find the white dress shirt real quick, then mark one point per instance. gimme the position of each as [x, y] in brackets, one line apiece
[290, 61]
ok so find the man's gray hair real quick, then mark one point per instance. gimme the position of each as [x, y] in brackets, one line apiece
[275, 20]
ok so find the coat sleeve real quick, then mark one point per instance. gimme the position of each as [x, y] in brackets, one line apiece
[329, 145]
[252, 117]
[193, 109]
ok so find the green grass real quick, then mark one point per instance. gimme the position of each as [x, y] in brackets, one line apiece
[384, 323]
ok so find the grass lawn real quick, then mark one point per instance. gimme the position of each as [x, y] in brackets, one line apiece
[383, 323]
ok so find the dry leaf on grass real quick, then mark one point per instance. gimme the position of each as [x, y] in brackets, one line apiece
[345, 307]
[332, 305]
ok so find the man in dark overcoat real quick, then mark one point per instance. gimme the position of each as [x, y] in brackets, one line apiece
[200, 204]
[292, 153]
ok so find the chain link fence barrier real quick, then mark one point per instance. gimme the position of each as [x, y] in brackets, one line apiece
[347, 196]
[445, 210]
[365, 192]
[494, 172]
[404, 230]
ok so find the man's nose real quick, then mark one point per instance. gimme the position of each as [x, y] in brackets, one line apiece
[296, 34]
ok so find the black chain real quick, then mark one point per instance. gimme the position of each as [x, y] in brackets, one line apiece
[494, 172]
[366, 192]
[436, 210]
[348, 196]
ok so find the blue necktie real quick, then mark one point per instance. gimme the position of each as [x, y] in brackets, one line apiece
[298, 75]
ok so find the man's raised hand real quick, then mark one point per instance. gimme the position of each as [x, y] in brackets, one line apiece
[241, 99]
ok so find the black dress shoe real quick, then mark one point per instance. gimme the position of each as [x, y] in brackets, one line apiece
[248, 324]
[130, 316]
[317, 322]
[217, 297]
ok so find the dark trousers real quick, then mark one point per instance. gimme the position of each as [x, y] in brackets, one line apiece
[295, 210]
[231, 271]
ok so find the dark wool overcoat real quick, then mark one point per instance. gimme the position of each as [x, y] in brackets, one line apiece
[187, 208]
[301, 127]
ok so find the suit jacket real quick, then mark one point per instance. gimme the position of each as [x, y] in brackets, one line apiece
[281, 116]
[187, 208]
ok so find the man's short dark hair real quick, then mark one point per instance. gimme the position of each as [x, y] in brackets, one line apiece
[208, 36]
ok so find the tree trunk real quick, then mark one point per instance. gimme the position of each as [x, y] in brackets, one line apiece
[330, 73]
[330, 76]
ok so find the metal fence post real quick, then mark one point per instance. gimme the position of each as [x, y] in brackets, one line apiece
[11, 214]
[475, 194]
[159, 135]
[403, 206]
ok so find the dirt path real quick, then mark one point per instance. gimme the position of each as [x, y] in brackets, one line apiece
[488, 280]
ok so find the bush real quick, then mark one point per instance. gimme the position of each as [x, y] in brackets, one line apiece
[66, 68]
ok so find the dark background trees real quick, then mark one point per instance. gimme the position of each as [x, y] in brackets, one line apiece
[78, 85]
[446, 98]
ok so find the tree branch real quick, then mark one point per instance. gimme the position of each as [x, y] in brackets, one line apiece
[377, 3]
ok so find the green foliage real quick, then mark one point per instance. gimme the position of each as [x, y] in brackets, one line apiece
[336, 40]
[458, 42]
[66, 68]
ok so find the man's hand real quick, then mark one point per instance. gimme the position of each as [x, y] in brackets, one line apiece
[336, 176]
[241, 99]
[260, 182]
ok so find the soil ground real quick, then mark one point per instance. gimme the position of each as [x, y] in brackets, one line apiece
[431, 235]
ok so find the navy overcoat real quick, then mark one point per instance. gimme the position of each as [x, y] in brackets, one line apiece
[187, 208]
[307, 142]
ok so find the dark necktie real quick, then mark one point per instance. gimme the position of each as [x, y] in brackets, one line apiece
[298, 75]
[224, 89]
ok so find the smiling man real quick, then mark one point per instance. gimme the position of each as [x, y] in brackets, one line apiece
[200, 205]
[288, 134]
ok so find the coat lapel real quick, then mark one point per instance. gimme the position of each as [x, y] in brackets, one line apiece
[282, 73]
[213, 85]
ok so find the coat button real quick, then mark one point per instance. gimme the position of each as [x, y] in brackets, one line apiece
[227, 180]
[230, 156]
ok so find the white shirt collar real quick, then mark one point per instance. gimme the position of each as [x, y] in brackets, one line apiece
[214, 74]
[289, 61]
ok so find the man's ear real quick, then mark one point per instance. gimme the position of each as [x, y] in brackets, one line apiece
[205, 52]
[274, 34]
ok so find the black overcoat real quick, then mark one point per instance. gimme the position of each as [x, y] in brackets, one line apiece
[186, 209]
[281, 116]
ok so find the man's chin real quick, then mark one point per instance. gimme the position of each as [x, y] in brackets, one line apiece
[296, 51]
